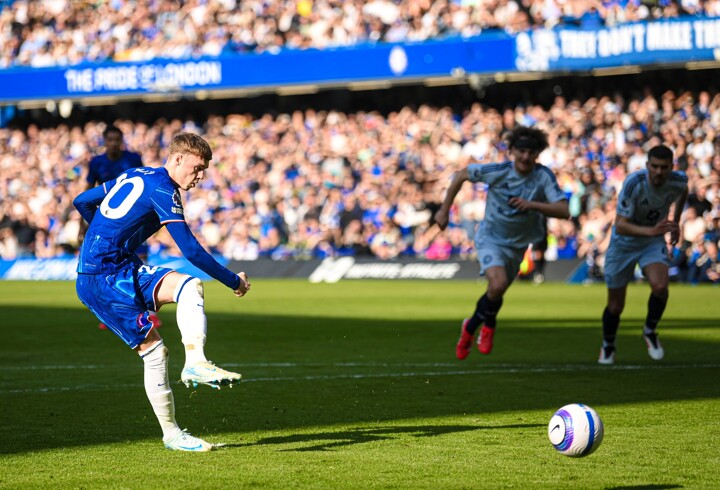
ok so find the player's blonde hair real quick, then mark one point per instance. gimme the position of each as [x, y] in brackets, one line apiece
[192, 144]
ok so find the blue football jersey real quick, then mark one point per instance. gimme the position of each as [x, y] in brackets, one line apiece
[646, 205]
[134, 207]
[103, 169]
[504, 224]
[126, 211]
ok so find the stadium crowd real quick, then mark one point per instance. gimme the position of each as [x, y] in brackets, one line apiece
[314, 184]
[64, 32]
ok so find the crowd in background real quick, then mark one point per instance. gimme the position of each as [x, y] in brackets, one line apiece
[313, 184]
[63, 32]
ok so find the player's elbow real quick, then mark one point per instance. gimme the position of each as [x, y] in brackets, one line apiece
[78, 203]
[83, 208]
[461, 175]
[621, 229]
[562, 211]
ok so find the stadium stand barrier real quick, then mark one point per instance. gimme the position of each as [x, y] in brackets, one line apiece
[316, 270]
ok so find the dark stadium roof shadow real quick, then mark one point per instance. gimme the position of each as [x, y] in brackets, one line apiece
[331, 439]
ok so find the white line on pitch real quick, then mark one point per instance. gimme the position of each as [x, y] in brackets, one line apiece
[495, 366]
[324, 377]
[259, 364]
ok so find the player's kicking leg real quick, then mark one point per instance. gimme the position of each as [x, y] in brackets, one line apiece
[188, 293]
[207, 373]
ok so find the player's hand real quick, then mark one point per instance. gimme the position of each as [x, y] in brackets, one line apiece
[442, 218]
[520, 204]
[244, 285]
[666, 226]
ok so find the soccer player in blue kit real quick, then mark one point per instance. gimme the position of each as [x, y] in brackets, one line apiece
[119, 289]
[114, 161]
[521, 193]
[110, 165]
[638, 237]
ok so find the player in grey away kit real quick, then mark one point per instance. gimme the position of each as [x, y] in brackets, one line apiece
[521, 193]
[638, 237]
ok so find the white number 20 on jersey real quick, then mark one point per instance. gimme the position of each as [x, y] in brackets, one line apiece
[122, 209]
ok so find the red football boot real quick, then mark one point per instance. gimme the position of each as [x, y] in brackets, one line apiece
[464, 344]
[485, 340]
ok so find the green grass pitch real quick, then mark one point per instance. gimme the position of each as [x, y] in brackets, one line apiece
[355, 385]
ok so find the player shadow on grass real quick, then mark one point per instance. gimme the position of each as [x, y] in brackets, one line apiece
[325, 441]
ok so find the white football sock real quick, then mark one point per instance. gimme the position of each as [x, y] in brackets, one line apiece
[192, 322]
[157, 387]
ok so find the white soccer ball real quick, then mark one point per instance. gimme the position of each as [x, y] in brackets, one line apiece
[576, 430]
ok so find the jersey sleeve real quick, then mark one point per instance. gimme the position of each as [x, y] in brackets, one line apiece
[87, 203]
[552, 190]
[486, 172]
[168, 205]
[199, 257]
[679, 180]
[626, 202]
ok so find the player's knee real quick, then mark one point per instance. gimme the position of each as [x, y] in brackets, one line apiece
[152, 348]
[616, 307]
[497, 288]
[660, 289]
[197, 285]
[189, 287]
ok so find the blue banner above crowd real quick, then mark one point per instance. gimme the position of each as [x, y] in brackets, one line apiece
[561, 49]
[642, 43]
[287, 68]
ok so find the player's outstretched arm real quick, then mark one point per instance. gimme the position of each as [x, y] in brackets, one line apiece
[624, 226]
[557, 209]
[442, 216]
[678, 209]
[200, 258]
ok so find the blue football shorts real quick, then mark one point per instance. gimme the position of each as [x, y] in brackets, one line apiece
[620, 261]
[494, 255]
[120, 300]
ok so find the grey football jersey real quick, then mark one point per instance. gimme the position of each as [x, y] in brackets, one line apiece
[504, 224]
[645, 205]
